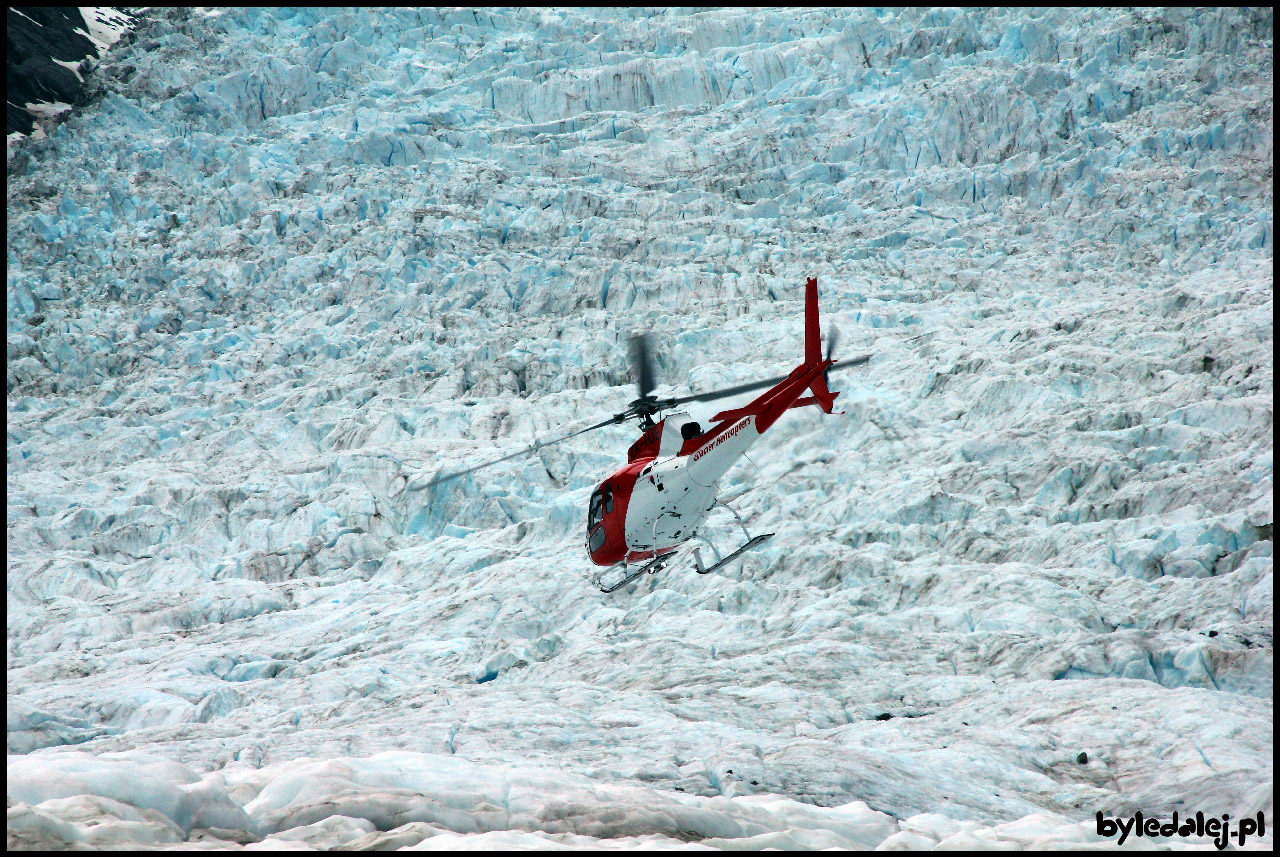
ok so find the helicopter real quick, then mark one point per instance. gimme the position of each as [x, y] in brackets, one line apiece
[657, 502]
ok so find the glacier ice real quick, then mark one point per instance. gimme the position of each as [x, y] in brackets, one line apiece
[286, 266]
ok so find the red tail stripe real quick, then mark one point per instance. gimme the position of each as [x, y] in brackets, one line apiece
[812, 331]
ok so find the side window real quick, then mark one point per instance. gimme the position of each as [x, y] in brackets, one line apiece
[594, 514]
[608, 498]
[597, 540]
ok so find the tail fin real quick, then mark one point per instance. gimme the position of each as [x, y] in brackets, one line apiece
[812, 330]
[822, 397]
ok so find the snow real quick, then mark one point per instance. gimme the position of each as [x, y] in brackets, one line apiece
[106, 25]
[73, 67]
[28, 17]
[295, 264]
[51, 109]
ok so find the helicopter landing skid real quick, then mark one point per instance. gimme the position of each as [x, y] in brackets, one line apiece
[697, 554]
[653, 566]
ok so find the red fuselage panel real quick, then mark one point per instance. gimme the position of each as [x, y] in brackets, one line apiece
[647, 445]
[613, 548]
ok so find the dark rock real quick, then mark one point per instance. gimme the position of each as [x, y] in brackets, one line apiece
[37, 36]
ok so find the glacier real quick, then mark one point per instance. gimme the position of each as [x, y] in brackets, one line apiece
[284, 267]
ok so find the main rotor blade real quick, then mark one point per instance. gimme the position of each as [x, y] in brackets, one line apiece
[720, 394]
[747, 388]
[856, 361]
[642, 363]
[526, 451]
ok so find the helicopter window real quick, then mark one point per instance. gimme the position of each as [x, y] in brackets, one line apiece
[597, 540]
[689, 431]
[608, 498]
[594, 513]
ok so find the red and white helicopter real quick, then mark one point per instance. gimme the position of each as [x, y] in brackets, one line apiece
[659, 500]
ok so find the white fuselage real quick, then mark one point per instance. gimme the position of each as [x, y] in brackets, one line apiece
[673, 494]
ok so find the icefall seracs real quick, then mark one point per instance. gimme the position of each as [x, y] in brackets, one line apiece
[289, 265]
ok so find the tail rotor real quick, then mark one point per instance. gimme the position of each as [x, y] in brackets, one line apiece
[833, 336]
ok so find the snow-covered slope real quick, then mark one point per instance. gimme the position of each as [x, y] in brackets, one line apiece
[292, 265]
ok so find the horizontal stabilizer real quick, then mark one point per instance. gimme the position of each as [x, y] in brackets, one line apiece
[822, 397]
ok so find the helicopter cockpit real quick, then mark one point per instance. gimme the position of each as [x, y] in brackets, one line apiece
[601, 505]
